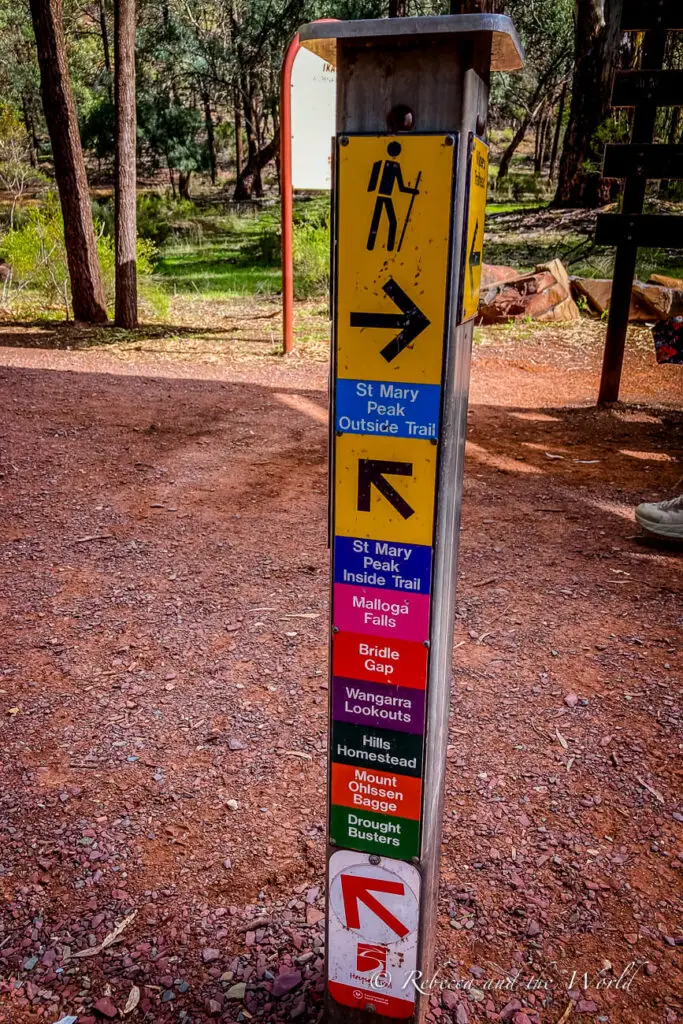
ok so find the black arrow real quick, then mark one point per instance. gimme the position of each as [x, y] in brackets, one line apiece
[372, 471]
[410, 322]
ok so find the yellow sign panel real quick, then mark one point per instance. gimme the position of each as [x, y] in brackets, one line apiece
[471, 280]
[384, 488]
[395, 196]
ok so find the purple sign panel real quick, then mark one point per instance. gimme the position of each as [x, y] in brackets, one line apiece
[386, 707]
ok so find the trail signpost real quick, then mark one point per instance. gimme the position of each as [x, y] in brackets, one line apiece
[409, 199]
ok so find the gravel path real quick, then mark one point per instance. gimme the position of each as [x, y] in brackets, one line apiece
[163, 688]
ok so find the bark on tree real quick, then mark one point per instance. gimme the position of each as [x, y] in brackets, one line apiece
[30, 126]
[245, 186]
[238, 135]
[545, 139]
[558, 131]
[125, 226]
[250, 176]
[210, 134]
[518, 137]
[104, 32]
[538, 147]
[397, 8]
[184, 184]
[596, 54]
[87, 292]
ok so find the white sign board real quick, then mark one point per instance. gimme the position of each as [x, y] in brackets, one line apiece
[314, 104]
[372, 939]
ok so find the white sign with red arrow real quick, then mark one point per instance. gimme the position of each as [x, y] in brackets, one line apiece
[372, 939]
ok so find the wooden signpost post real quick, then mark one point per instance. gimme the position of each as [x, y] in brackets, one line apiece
[637, 162]
[409, 202]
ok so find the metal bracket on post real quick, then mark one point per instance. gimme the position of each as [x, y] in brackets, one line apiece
[409, 201]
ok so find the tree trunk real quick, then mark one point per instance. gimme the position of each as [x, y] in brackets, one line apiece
[397, 8]
[184, 184]
[105, 37]
[537, 101]
[517, 140]
[210, 134]
[246, 187]
[538, 147]
[596, 53]
[238, 134]
[558, 131]
[103, 31]
[87, 293]
[545, 138]
[30, 126]
[125, 214]
[252, 170]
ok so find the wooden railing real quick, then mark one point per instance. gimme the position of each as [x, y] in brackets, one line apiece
[645, 91]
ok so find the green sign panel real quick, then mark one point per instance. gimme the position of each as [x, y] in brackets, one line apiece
[375, 833]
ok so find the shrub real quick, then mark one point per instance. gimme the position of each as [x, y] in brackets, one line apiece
[156, 215]
[311, 261]
[150, 294]
[314, 212]
[36, 254]
[17, 177]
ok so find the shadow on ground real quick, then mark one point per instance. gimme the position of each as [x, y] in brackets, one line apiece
[163, 593]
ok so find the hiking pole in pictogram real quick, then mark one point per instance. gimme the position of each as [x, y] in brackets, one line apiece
[410, 209]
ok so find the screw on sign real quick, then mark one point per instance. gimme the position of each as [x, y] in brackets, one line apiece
[374, 912]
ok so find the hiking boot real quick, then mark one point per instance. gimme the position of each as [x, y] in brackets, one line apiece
[665, 518]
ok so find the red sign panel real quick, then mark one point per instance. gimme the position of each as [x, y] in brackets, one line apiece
[398, 662]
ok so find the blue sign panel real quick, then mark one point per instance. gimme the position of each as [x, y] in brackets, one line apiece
[380, 563]
[388, 408]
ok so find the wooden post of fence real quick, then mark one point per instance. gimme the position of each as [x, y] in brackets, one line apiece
[654, 45]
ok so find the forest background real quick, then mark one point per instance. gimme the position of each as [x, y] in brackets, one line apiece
[194, 88]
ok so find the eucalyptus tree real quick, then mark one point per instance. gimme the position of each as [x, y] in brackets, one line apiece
[598, 43]
[530, 96]
[87, 291]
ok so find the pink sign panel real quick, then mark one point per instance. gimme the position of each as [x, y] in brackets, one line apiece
[387, 613]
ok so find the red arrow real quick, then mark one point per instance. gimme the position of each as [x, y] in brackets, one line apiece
[356, 889]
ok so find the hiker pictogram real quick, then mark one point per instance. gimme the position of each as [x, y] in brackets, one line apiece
[386, 175]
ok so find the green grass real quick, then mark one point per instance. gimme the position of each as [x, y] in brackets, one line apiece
[216, 272]
[236, 256]
[514, 205]
[221, 255]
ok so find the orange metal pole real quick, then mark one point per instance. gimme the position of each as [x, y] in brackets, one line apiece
[286, 197]
[287, 193]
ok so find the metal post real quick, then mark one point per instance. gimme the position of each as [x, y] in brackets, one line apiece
[654, 46]
[409, 216]
[286, 197]
[287, 192]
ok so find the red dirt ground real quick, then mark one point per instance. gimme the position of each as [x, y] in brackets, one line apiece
[163, 690]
